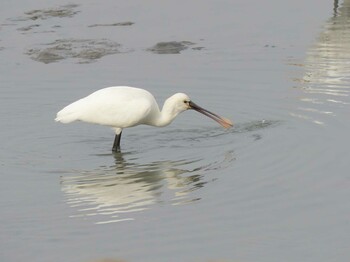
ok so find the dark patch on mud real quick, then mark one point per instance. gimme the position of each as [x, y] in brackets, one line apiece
[65, 11]
[198, 48]
[172, 47]
[83, 50]
[27, 28]
[113, 24]
[43, 14]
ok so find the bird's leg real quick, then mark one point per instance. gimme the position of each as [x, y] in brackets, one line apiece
[116, 144]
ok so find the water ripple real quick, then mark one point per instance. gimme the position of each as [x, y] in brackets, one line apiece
[139, 180]
[115, 193]
[325, 82]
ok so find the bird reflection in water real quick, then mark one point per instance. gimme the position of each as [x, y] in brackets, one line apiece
[113, 193]
[325, 83]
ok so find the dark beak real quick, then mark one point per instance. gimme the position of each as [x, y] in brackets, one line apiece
[226, 123]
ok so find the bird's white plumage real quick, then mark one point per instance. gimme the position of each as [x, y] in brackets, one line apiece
[112, 106]
[122, 106]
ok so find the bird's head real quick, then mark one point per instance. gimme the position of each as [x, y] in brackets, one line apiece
[181, 102]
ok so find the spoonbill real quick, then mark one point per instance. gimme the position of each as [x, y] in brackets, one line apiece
[122, 106]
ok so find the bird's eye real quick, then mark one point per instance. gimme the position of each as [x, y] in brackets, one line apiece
[186, 102]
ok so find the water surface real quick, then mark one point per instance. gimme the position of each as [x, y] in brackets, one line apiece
[273, 188]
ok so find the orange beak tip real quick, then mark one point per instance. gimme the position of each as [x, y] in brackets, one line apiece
[226, 123]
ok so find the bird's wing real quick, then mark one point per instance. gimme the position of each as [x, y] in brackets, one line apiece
[117, 108]
[136, 111]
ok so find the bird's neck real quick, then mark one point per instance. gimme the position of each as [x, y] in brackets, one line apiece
[167, 115]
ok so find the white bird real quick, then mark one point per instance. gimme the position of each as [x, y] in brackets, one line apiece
[122, 106]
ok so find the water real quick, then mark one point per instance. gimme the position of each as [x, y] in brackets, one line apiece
[273, 188]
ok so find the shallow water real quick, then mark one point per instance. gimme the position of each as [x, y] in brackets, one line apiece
[273, 188]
